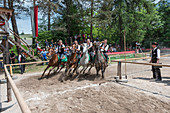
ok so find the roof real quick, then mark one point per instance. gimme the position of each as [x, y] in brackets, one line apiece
[7, 11]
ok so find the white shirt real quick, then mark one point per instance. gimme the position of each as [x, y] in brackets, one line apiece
[105, 47]
[19, 58]
[158, 52]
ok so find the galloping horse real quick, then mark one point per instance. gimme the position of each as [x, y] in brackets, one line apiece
[84, 61]
[100, 63]
[72, 62]
[54, 62]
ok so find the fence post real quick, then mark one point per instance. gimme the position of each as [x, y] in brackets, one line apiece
[11, 72]
[109, 60]
[119, 70]
[9, 95]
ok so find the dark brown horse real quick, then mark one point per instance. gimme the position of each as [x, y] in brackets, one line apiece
[53, 62]
[72, 62]
[100, 62]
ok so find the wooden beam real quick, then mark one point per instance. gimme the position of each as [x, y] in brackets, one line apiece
[143, 63]
[17, 64]
[21, 102]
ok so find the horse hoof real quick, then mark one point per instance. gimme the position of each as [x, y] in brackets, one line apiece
[40, 78]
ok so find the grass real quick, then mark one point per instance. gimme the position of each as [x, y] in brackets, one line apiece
[115, 57]
[27, 36]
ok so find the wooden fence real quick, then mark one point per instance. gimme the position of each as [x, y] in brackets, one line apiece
[10, 84]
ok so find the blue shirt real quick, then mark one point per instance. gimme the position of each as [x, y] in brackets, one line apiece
[44, 54]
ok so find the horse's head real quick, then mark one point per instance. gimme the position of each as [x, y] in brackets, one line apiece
[74, 49]
[50, 52]
[96, 45]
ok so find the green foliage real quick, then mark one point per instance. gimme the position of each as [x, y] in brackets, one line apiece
[14, 49]
[51, 35]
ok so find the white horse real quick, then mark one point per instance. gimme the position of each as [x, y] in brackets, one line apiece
[84, 61]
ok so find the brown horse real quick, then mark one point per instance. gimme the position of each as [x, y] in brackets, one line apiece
[72, 62]
[54, 62]
[100, 62]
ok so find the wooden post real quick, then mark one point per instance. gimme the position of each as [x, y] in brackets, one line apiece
[119, 70]
[5, 3]
[109, 59]
[11, 72]
[125, 49]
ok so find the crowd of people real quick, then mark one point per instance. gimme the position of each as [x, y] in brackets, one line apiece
[62, 49]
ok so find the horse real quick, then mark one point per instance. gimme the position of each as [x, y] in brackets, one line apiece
[84, 61]
[100, 62]
[53, 62]
[72, 62]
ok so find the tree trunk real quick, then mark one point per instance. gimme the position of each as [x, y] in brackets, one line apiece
[49, 16]
[121, 32]
[91, 31]
[14, 24]
[68, 3]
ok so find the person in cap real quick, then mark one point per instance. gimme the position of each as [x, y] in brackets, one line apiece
[22, 59]
[155, 59]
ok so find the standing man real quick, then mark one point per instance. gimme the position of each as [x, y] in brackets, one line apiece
[104, 48]
[22, 59]
[12, 57]
[44, 56]
[155, 59]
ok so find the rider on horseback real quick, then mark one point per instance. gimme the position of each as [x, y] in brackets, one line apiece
[90, 50]
[104, 48]
[60, 49]
[78, 50]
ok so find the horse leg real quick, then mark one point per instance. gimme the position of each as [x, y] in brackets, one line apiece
[45, 71]
[61, 68]
[85, 69]
[90, 68]
[102, 70]
[51, 69]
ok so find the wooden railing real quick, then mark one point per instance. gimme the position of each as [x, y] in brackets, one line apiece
[10, 84]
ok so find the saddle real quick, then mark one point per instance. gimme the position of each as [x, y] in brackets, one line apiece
[64, 59]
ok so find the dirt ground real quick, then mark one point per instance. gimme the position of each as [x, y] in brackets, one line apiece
[92, 95]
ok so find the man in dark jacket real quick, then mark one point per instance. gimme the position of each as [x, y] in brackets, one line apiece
[155, 59]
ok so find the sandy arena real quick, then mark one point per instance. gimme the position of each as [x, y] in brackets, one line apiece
[92, 95]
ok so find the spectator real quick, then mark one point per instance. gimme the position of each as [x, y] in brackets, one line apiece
[12, 57]
[78, 38]
[52, 43]
[75, 37]
[65, 43]
[22, 59]
[46, 44]
[38, 47]
[44, 56]
[55, 45]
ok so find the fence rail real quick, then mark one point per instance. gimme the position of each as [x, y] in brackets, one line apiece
[10, 83]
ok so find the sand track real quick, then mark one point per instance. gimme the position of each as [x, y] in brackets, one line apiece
[92, 95]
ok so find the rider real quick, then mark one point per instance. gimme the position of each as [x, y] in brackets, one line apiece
[60, 49]
[104, 48]
[90, 50]
[78, 49]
